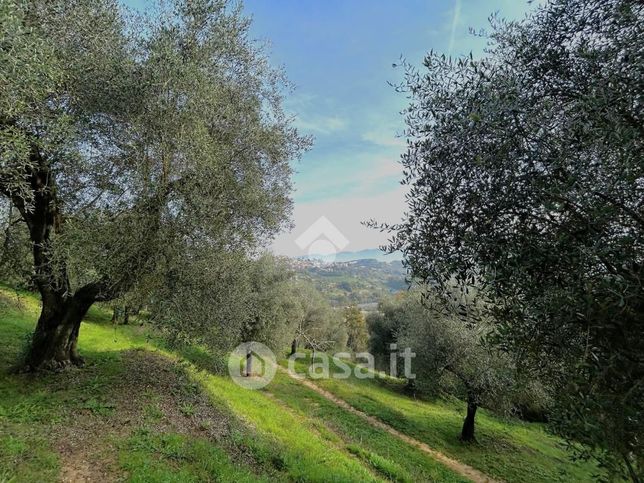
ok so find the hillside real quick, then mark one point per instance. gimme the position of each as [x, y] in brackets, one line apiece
[362, 281]
[139, 411]
[367, 254]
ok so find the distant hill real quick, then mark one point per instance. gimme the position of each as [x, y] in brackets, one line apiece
[367, 254]
[362, 281]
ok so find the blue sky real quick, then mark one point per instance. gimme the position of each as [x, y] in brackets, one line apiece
[339, 55]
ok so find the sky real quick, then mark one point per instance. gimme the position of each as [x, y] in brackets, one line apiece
[339, 54]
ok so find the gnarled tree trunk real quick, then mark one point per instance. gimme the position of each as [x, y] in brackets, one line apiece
[54, 342]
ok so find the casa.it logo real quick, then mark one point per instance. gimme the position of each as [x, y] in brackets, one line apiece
[322, 240]
[252, 365]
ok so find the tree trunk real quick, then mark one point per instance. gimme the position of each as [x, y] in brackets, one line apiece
[467, 433]
[249, 363]
[635, 478]
[410, 387]
[294, 346]
[121, 315]
[54, 342]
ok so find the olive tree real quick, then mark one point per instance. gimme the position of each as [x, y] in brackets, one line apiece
[356, 327]
[272, 303]
[384, 326]
[129, 142]
[451, 353]
[319, 326]
[526, 180]
[15, 253]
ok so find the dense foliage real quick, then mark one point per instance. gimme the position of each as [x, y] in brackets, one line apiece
[319, 326]
[526, 180]
[356, 326]
[453, 358]
[134, 147]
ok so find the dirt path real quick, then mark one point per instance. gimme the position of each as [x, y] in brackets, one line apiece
[460, 468]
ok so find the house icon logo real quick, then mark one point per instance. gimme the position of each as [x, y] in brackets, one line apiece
[322, 240]
[252, 365]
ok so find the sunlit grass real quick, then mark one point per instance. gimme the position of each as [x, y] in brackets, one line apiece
[291, 432]
[506, 448]
[153, 457]
[279, 439]
[306, 454]
[387, 455]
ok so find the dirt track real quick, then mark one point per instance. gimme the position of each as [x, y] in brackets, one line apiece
[460, 468]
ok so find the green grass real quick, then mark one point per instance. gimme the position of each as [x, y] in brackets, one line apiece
[506, 448]
[173, 457]
[26, 457]
[285, 432]
[276, 441]
[304, 453]
[386, 455]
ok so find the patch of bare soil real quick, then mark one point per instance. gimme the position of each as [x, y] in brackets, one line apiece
[151, 390]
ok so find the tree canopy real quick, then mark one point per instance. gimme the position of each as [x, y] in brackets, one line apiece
[131, 146]
[318, 325]
[527, 183]
[452, 356]
[356, 326]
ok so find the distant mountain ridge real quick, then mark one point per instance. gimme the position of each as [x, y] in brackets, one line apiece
[367, 254]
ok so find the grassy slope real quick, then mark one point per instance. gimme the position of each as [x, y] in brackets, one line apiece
[390, 456]
[145, 434]
[36, 414]
[507, 449]
[285, 432]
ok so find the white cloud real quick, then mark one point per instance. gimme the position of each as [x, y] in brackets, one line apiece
[456, 20]
[321, 124]
[384, 137]
[311, 114]
[383, 168]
